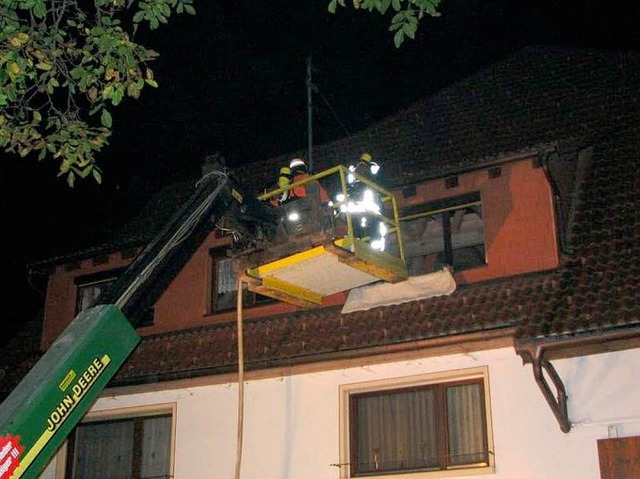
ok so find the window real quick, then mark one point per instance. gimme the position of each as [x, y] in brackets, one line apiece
[416, 425]
[447, 232]
[224, 285]
[91, 286]
[123, 448]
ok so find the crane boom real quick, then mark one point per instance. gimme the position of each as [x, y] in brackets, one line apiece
[57, 392]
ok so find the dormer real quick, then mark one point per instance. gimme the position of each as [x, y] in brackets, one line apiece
[494, 221]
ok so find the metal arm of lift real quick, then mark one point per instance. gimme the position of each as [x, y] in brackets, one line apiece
[42, 410]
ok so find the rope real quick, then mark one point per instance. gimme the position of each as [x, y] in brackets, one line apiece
[240, 378]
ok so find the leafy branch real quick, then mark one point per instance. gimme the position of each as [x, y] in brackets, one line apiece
[64, 65]
[407, 14]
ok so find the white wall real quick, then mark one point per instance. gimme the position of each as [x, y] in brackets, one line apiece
[291, 423]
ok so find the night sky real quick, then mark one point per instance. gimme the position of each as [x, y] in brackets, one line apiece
[232, 79]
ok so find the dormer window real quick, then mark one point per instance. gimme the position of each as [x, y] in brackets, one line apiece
[224, 285]
[91, 286]
[447, 232]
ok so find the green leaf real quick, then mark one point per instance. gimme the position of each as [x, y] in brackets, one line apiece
[151, 82]
[137, 18]
[77, 72]
[398, 38]
[409, 30]
[398, 18]
[333, 5]
[95, 109]
[117, 97]
[83, 173]
[39, 9]
[71, 179]
[105, 119]
[189, 9]
[96, 175]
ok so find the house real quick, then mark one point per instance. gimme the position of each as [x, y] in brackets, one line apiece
[528, 369]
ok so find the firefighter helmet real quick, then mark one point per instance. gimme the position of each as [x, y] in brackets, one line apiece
[297, 165]
[366, 157]
[284, 178]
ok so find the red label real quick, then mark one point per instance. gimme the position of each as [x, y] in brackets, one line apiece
[10, 450]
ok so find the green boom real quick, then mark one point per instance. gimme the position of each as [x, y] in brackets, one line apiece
[39, 414]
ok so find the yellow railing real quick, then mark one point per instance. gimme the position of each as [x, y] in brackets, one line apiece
[393, 222]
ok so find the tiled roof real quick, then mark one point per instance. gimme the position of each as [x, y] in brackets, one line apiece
[312, 334]
[595, 290]
[538, 96]
[598, 286]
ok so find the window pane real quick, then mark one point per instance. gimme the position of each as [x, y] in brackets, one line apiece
[465, 410]
[225, 285]
[88, 294]
[103, 450]
[123, 449]
[156, 447]
[396, 431]
[224, 288]
[423, 239]
[430, 245]
[467, 238]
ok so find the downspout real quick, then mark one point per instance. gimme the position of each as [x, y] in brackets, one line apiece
[557, 403]
[535, 353]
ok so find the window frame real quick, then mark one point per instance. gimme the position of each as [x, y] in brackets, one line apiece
[93, 279]
[445, 207]
[144, 319]
[63, 468]
[348, 391]
[249, 298]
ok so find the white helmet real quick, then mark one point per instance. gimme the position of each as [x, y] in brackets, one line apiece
[297, 164]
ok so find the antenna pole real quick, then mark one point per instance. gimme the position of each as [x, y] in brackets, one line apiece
[309, 115]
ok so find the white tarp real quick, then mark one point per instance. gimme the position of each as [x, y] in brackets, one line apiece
[440, 283]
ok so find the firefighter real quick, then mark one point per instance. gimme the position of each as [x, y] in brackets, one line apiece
[299, 172]
[366, 203]
[304, 205]
[284, 180]
[368, 168]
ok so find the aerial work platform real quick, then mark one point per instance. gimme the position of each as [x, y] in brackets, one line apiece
[320, 256]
